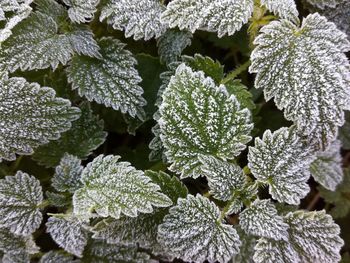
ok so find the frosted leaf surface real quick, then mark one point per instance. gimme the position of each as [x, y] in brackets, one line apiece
[58, 199]
[69, 233]
[322, 4]
[344, 132]
[67, 174]
[223, 178]
[261, 219]
[57, 257]
[286, 9]
[327, 168]
[139, 19]
[194, 231]
[221, 16]
[111, 80]
[30, 115]
[197, 117]
[273, 251]
[282, 160]
[81, 11]
[20, 196]
[111, 188]
[246, 194]
[311, 85]
[246, 251]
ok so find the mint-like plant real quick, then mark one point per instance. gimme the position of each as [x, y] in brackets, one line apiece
[174, 130]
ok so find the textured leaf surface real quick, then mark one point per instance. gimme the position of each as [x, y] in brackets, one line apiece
[85, 136]
[194, 231]
[198, 117]
[246, 251]
[327, 168]
[261, 219]
[284, 9]
[312, 84]
[111, 188]
[111, 80]
[30, 115]
[222, 16]
[282, 161]
[68, 233]
[57, 256]
[138, 18]
[20, 196]
[344, 132]
[322, 4]
[81, 11]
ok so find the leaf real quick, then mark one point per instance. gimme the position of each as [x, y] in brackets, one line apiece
[322, 4]
[56, 256]
[340, 15]
[241, 197]
[246, 250]
[67, 174]
[344, 132]
[38, 43]
[327, 168]
[85, 136]
[261, 219]
[282, 160]
[198, 117]
[20, 198]
[69, 233]
[111, 188]
[244, 97]
[81, 11]
[138, 18]
[58, 199]
[224, 17]
[171, 44]
[286, 9]
[311, 84]
[30, 115]
[111, 80]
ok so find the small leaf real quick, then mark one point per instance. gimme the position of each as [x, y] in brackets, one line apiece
[284, 9]
[20, 197]
[194, 231]
[58, 199]
[81, 11]
[57, 257]
[244, 97]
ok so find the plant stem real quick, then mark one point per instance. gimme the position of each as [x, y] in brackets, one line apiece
[233, 74]
[313, 202]
[16, 164]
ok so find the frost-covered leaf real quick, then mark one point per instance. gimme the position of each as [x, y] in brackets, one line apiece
[222, 16]
[327, 168]
[240, 91]
[67, 174]
[240, 197]
[171, 44]
[194, 231]
[85, 136]
[111, 80]
[69, 233]
[57, 257]
[344, 132]
[246, 250]
[30, 115]
[275, 251]
[138, 18]
[111, 188]
[58, 199]
[282, 160]
[39, 42]
[284, 9]
[311, 84]
[81, 11]
[322, 4]
[261, 219]
[20, 197]
[197, 117]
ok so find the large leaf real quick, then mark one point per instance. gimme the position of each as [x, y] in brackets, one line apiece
[310, 84]
[111, 188]
[197, 117]
[284, 9]
[194, 231]
[20, 197]
[81, 11]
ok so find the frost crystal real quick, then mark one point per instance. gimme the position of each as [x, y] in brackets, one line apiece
[282, 161]
[222, 16]
[20, 196]
[138, 18]
[311, 84]
[111, 188]
[327, 168]
[68, 233]
[284, 9]
[197, 117]
[111, 80]
[261, 219]
[81, 11]
[30, 115]
[194, 231]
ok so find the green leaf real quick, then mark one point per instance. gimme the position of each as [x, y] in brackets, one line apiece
[244, 97]
[111, 188]
[81, 11]
[284, 9]
[58, 199]
[197, 117]
[310, 84]
[85, 136]
[20, 197]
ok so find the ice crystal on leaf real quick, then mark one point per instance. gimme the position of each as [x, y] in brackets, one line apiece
[197, 117]
[20, 197]
[81, 11]
[284, 9]
[138, 18]
[111, 80]
[194, 231]
[30, 115]
[312, 84]
[322, 4]
[282, 160]
[111, 187]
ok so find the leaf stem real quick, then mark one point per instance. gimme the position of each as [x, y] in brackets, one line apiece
[233, 74]
[16, 164]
